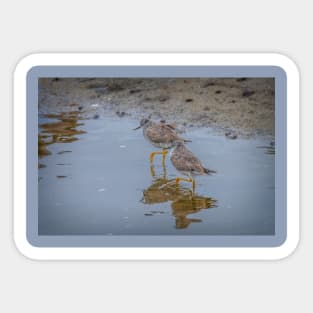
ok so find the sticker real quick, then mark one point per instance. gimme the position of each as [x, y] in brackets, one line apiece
[156, 156]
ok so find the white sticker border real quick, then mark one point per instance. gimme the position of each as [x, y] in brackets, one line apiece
[155, 59]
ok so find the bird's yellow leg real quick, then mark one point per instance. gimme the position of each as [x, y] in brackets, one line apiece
[152, 172]
[164, 153]
[193, 185]
[188, 180]
[152, 154]
[164, 170]
[178, 179]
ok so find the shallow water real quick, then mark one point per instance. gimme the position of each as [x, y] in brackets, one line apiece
[95, 178]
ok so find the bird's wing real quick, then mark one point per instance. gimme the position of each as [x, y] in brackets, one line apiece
[194, 165]
[171, 133]
[171, 126]
[162, 133]
[188, 162]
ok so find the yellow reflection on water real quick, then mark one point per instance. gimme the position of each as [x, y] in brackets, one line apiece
[184, 206]
[183, 200]
[64, 130]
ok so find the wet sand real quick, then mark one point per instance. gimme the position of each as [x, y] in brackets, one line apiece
[236, 107]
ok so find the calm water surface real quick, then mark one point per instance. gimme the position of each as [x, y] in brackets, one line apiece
[95, 178]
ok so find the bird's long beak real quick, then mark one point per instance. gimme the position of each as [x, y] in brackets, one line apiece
[137, 127]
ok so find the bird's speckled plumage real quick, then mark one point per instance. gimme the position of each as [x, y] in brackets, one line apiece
[186, 162]
[161, 135]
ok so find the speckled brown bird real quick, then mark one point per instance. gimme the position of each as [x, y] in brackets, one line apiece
[160, 135]
[187, 163]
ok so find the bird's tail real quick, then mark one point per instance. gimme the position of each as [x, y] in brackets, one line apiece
[209, 172]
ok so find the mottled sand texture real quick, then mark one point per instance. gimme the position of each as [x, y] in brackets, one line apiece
[244, 106]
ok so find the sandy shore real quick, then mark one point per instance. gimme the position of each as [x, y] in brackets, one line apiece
[237, 107]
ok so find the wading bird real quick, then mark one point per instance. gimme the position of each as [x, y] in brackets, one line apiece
[187, 163]
[160, 135]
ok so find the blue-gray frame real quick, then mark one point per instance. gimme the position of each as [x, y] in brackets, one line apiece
[163, 240]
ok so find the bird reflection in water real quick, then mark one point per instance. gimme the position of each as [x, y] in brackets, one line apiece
[186, 205]
[183, 200]
[63, 130]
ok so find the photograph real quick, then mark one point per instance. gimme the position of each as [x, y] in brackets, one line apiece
[156, 156]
